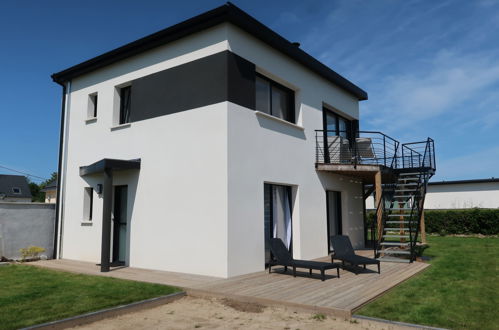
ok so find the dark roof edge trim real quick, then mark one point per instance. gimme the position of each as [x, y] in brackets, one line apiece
[438, 183]
[225, 13]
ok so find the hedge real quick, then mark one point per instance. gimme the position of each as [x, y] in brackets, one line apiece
[461, 221]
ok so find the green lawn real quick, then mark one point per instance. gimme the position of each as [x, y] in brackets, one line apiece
[31, 295]
[459, 291]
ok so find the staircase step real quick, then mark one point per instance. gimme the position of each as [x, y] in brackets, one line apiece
[411, 190]
[396, 236]
[394, 244]
[399, 215]
[401, 209]
[396, 229]
[410, 174]
[401, 221]
[409, 179]
[393, 259]
[401, 196]
[395, 252]
[407, 184]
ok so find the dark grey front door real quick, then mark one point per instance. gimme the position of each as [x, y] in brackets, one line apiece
[120, 224]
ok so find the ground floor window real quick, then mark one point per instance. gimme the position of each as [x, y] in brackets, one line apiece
[278, 217]
[334, 226]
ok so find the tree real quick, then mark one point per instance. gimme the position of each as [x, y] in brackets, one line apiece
[38, 195]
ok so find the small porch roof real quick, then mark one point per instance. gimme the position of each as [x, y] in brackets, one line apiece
[110, 164]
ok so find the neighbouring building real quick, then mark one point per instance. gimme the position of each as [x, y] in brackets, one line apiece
[187, 149]
[458, 194]
[14, 188]
[50, 191]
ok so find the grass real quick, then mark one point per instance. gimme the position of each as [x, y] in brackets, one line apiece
[459, 291]
[30, 295]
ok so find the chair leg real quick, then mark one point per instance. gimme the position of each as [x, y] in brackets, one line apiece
[270, 267]
[338, 271]
[285, 269]
[323, 276]
[310, 271]
[364, 266]
[379, 268]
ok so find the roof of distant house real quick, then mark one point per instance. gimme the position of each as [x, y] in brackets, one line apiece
[436, 183]
[51, 185]
[14, 186]
[225, 13]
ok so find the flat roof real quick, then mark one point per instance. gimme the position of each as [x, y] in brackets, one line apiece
[225, 13]
[110, 164]
[437, 183]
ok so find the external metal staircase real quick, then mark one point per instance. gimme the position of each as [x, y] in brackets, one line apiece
[403, 205]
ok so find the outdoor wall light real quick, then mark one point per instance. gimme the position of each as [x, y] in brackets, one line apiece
[99, 189]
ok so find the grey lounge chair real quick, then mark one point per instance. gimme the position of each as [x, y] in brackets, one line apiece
[283, 258]
[343, 250]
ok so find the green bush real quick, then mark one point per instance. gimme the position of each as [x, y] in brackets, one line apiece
[464, 221]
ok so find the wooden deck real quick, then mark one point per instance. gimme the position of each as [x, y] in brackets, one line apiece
[337, 296]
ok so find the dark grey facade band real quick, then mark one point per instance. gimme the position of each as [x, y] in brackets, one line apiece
[221, 77]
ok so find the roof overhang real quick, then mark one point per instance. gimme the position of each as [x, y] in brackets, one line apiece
[225, 13]
[107, 164]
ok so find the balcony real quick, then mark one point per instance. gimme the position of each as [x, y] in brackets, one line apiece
[368, 152]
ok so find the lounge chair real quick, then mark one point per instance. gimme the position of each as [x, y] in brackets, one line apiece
[283, 258]
[344, 251]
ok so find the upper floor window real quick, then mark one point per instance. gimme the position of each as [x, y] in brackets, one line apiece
[92, 106]
[275, 99]
[16, 190]
[336, 125]
[125, 103]
[88, 203]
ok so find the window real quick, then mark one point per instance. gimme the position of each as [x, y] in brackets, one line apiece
[16, 190]
[92, 106]
[274, 99]
[335, 125]
[88, 201]
[125, 103]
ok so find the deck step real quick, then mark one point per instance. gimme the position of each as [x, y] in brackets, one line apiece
[393, 259]
[393, 244]
[395, 251]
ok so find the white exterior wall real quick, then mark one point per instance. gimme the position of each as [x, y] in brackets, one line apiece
[196, 205]
[266, 150]
[463, 196]
[458, 196]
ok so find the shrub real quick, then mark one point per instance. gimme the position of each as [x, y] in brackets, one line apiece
[458, 221]
[31, 252]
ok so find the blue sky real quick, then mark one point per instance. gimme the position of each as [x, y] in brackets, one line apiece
[431, 68]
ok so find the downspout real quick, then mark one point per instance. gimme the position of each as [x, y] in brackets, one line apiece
[59, 170]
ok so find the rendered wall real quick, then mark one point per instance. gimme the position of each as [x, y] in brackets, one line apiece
[26, 224]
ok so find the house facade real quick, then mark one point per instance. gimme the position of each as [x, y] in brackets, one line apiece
[185, 150]
[14, 189]
[50, 191]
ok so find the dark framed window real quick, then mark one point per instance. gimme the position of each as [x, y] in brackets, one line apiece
[93, 100]
[334, 217]
[274, 98]
[125, 104]
[88, 203]
[16, 190]
[336, 125]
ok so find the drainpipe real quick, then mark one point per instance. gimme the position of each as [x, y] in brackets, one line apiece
[58, 204]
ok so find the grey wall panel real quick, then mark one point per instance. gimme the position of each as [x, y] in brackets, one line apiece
[209, 80]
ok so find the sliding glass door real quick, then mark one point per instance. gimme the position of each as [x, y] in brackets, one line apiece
[334, 225]
[278, 219]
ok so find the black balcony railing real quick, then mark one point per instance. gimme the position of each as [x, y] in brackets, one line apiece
[372, 148]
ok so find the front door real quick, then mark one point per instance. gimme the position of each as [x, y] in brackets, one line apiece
[334, 225]
[120, 224]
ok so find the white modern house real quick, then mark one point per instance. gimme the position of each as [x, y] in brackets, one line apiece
[185, 150]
